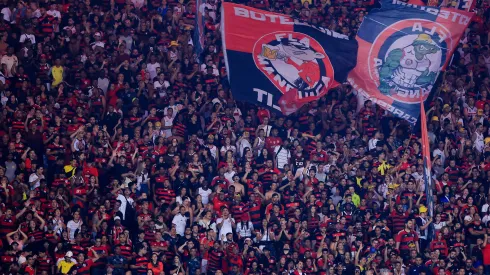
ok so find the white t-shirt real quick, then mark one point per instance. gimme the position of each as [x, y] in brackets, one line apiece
[229, 175]
[124, 202]
[224, 149]
[242, 145]
[487, 62]
[215, 71]
[176, 108]
[6, 14]
[157, 84]
[372, 143]
[282, 156]
[138, 3]
[237, 114]
[54, 13]
[26, 36]
[485, 219]
[439, 226]
[212, 10]
[168, 121]
[417, 176]
[440, 153]
[72, 225]
[152, 69]
[9, 61]
[36, 14]
[103, 83]
[484, 208]
[71, 29]
[226, 228]
[98, 44]
[32, 178]
[267, 129]
[78, 144]
[213, 150]
[180, 221]
[204, 194]
[246, 230]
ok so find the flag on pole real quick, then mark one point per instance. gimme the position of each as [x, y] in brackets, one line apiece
[402, 50]
[280, 63]
[427, 161]
[466, 5]
[199, 28]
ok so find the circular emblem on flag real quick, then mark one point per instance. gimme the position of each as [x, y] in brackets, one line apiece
[294, 61]
[405, 59]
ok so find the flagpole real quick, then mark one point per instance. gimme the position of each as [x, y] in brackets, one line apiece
[427, 163]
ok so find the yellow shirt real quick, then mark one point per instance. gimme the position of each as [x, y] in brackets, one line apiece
[383, 167]
[69, 170]
[358, 181]
[356, 199]
[65, 266]
[57, 73]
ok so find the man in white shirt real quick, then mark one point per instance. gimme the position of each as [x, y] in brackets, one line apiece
[98, 41]
[125, 199]
[103, 82]
[486, 207]
[7, 12]
[211, 6]
[161, 82]
[372, 142]
[225, 224]
[152, 67]
[36, 12]
[53, 12]
[28, 35]
[10, 60]
[205, 192]
[209, 65]
[176, 107]
[243, 143]
[439, 151]
[35, 178]
[180, 221]
[282, 155]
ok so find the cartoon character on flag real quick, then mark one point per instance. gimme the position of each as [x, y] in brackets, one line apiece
[408, 67]
[301, 57]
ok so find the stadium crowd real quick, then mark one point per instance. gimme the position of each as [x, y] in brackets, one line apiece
[123, 152]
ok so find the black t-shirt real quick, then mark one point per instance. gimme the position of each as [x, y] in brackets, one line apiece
[111, 120]
[127, 96]
[299, 161]
[118, 170]
[192, 128]
[283, 132]
[475, 227]
[127, 74]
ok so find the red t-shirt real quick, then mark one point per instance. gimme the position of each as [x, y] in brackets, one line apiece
[29, 270]
[486, 255]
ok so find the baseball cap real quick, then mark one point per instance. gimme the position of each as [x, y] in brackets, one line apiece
[69, 254]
